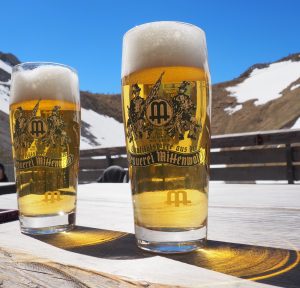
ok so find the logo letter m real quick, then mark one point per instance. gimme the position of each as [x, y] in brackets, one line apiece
[159, 111]
[52, 196]
[37, 128]
[177, 198]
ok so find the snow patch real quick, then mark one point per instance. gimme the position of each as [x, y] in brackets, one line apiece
[108, 131]
[297, 124]
[295, 87]
[4, 99]
[7, 68]
[266, 84]
[230, 110]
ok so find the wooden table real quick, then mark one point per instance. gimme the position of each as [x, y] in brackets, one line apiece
[254, 239]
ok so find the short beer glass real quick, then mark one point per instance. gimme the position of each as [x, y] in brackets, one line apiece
[166, 112]
[45, 133]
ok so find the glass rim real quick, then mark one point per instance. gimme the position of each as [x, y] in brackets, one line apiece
[177, 22]
[36, 64]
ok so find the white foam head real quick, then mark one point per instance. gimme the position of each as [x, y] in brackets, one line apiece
[44, 81]
[163, 43]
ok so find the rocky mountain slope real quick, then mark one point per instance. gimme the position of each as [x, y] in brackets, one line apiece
[265, 97]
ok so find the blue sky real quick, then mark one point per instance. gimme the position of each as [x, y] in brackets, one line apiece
[87, 35]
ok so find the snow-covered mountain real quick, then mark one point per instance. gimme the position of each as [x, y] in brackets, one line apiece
[97, 129]
[265, 97]
[106, 131]
[5, 72]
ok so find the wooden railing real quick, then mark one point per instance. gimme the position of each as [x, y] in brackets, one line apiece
[239, 158]
[273, 155]
[7, 188]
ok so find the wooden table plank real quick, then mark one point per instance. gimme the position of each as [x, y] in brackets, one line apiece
[260, 215]
[20, 269]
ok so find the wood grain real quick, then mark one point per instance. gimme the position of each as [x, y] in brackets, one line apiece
[249, 173]
[251, 156]
[87, 163]
[20, 270]
[103, 151]
[256, 138]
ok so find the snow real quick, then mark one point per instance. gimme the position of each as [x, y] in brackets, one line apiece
[4, 99]
[295, 87]
[297, 124]
[230, 110]
[108, 131]
[7, 68]
[4, 89]
[266, 84]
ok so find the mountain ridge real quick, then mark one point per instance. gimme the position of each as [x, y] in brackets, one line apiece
[230, 114]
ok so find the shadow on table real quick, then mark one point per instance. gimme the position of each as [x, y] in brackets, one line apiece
[272, 266]
[97, 243]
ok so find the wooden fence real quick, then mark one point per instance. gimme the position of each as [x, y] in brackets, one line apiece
[273, 155]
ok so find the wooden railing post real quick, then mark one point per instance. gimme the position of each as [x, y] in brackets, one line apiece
[109, 160]
[289, 164]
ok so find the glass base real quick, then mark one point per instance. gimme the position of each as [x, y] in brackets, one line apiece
[49, 224]
[169, 242]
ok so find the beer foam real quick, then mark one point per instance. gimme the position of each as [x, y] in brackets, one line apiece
[49, 81]
[163, 44]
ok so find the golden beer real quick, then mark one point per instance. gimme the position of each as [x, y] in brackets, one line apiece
[167, 125]
[166, 195]
[45, 137]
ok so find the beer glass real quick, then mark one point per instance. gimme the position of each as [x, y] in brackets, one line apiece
[166, 112]
[45, 132]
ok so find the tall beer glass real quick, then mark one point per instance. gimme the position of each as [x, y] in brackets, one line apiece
[45, 131]
[166, 111]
